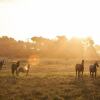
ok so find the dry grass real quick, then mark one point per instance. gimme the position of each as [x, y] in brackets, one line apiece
[49, 82]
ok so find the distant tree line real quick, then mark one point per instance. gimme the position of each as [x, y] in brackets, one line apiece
[60, 47]
[9, 47]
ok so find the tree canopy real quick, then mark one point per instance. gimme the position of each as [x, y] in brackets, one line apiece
[60, 47]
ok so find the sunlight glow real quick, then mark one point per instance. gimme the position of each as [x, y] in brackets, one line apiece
[23, 19]
[33, 59]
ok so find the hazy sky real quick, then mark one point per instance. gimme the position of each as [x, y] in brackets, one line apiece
[22, 19]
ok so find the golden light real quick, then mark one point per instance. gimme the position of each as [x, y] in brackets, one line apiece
[49, 19]
[33, 60]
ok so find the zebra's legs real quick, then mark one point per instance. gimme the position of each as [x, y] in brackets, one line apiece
[76, 73]
[82, 75]
[13, 71]
[17, 73]
[95, 74]
[90, 74]
[27, 72]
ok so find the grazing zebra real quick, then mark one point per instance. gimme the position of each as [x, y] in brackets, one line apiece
[1, 64]
[14, 68]
[24, 69]
[79, 69]
[93, 69]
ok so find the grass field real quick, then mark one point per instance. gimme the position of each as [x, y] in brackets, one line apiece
[49, 81]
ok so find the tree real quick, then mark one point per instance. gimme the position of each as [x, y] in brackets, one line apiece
[89, 51]
[61, 46]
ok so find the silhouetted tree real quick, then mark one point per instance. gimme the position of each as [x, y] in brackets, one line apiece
[89, 52]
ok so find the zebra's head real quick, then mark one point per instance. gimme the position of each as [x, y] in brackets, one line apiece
[18, 63]
[83, 62]
[96, 63]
